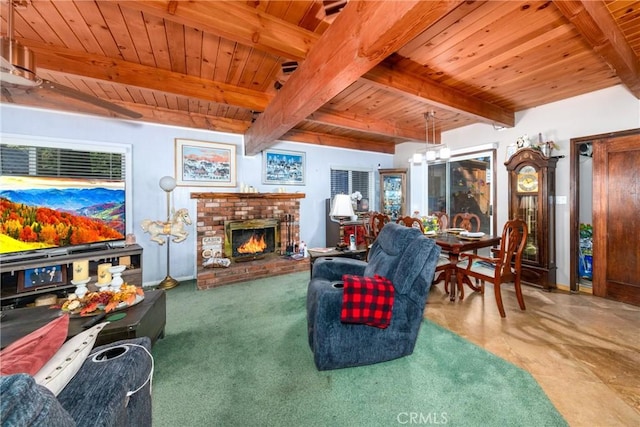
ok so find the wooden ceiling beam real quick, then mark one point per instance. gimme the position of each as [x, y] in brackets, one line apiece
[361, 37]
[598, 28]
[253, 28]
[187, 119]
[57, 59]
[425, 90]
[233, 21]
[357, 123]
[338, 141]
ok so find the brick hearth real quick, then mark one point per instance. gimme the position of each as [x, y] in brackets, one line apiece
[213, 209]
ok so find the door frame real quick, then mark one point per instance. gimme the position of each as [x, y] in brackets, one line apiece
[574, 200]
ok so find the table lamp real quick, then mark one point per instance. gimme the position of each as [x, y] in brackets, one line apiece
[341, 209]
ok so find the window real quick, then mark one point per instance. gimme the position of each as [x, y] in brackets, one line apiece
[63, 163]
[462, 184]
[346, 180]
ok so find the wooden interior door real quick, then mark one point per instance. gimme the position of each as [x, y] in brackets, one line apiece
[616, 217]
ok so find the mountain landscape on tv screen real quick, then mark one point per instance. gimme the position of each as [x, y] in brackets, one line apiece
[53, 217]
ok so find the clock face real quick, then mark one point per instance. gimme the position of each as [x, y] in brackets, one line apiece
[528, 180]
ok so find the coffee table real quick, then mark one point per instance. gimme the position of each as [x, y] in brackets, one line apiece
[145, 319]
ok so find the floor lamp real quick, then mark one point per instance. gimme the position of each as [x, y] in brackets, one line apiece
[168, 183]
[341, 210]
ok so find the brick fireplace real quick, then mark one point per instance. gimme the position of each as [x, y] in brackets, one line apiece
[216, 209]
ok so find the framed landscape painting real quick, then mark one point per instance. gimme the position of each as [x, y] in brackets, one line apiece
[206, 164]
[283, 167]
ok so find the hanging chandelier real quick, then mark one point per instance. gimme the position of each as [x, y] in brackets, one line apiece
[433, 150]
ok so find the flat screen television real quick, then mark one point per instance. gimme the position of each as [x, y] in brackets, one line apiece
[40, 214]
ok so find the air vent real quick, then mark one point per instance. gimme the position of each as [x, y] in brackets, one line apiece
[333, 7]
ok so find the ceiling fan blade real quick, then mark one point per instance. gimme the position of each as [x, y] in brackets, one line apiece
[81, 96]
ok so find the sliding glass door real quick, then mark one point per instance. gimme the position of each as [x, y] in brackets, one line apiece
[463, 184]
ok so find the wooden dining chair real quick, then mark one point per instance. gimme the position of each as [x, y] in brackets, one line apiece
[376, 221]
[409, 221]
[466, 220]
[443, 219]
[506, 267]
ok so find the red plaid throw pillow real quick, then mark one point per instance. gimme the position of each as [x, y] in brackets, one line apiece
[367, 300]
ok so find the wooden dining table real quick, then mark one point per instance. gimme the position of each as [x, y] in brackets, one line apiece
[454, 245]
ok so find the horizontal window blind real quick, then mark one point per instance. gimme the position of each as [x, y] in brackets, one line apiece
[24, 160]
[347, 181]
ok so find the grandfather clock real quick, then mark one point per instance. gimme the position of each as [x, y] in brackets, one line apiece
[532, 192]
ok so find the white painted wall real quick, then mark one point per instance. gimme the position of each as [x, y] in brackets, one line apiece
[607, 110]
[153, 158]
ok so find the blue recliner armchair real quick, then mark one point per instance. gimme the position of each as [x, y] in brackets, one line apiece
[401, 254]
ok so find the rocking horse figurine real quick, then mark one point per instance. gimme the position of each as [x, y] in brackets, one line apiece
[174, 228]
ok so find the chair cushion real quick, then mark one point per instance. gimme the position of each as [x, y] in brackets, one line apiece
[367, 300]
[31, 352]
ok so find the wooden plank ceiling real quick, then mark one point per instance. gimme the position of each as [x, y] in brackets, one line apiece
[363, 77]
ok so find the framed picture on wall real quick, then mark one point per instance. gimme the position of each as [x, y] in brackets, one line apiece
[283, 167]
[207, 164]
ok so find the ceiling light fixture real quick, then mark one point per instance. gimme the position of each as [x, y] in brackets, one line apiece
[432, 149]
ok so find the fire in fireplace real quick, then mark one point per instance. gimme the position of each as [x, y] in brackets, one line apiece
[254, 245]
[251, 239]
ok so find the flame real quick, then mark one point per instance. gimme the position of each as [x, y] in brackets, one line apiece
[253, 245]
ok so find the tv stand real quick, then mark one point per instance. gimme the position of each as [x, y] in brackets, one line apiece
[16, 270]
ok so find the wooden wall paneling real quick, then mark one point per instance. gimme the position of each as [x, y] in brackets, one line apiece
[489, 39]
[176, 45]
[41, 21]
[457, 23]
[237, 64]
[79, 27]
[96, 24]
[210, 47]
[138, 31]
[158, 39]
[193, 51]
[487, 32]
[119, 31]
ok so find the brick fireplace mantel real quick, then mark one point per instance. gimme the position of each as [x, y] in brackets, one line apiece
[213, 209]
[281, 196]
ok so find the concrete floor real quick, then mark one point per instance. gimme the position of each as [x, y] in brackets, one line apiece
[584, 351]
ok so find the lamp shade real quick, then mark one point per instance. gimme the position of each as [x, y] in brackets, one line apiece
[341, 207]
[445, 153]
[167, 183]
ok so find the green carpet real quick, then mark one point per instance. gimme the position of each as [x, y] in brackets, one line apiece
[238, 356]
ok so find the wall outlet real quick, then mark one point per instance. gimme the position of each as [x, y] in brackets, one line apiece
[561, 200]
